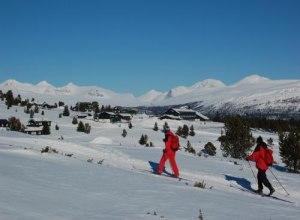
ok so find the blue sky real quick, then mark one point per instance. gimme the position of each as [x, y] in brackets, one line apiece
[134, 46]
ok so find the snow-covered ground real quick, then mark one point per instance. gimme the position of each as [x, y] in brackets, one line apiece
[55, 186]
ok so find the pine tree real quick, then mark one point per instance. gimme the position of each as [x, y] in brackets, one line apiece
[189, 148]
[74, 121]
[192, 132]
[179, 131]
[95, 106]
[289, 148]
[66, 111]
[143, 140]
[130, 125]
[31, 113]
[238, 139]
[165, 127]
[124, 134]
[9, 98]
[46, 128]
[87, 128]
[36, 109]
[80, 127]
[185, 131]
[155, 128]
[210, 149]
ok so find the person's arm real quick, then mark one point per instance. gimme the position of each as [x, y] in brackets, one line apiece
[254, 156]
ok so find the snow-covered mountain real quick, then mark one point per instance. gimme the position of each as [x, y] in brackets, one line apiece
[253, 94]
[69, 93]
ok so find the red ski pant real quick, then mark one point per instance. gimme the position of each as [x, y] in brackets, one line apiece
[168, 155]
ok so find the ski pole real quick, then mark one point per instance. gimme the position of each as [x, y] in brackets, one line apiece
[252, 171]
[279, 182]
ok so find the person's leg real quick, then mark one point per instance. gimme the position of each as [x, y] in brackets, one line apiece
[260, 181]
[173, 163]
[162, 162]
[267, 183]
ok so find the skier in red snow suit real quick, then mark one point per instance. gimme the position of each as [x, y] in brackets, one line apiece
[168, 154]
[259, 156]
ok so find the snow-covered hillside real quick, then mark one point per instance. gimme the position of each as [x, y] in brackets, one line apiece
[116, 184]
[254, 94]
[70, 93]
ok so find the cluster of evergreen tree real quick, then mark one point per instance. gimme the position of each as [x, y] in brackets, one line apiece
[289, 148]
[14, 124]
[237, 140]
[272, 125]
[86, 128]
[185, 131]
[143, 140]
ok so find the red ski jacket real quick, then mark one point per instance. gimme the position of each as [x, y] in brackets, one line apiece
[259, 157]
[168, 142]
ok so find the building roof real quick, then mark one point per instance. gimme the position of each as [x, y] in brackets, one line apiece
[202, 116]
[182, 110]
[125, 115]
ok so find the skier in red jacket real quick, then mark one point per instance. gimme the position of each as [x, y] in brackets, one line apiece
[169, 153]
[259, 156]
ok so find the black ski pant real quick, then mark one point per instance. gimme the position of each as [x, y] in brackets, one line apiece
[263, 180]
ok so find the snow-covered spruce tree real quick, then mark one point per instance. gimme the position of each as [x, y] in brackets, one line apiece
[9, 98]
[66, 111]
[42, 113]
[56, 127]
[46, 128]
[36, 109]
[95, 107]
[143, 140]
[74, 121]
[289, 148]
[31, 113]
[155, 128]
[179, 131]
[130, 125]
[87, 128]
[165, 127]
[185, 131]
[192, 132]
[189, 148]
[238, 139]
[80, 127]
[124, 133]
[210, 149]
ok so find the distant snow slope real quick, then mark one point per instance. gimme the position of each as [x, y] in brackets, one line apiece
[252, 94]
